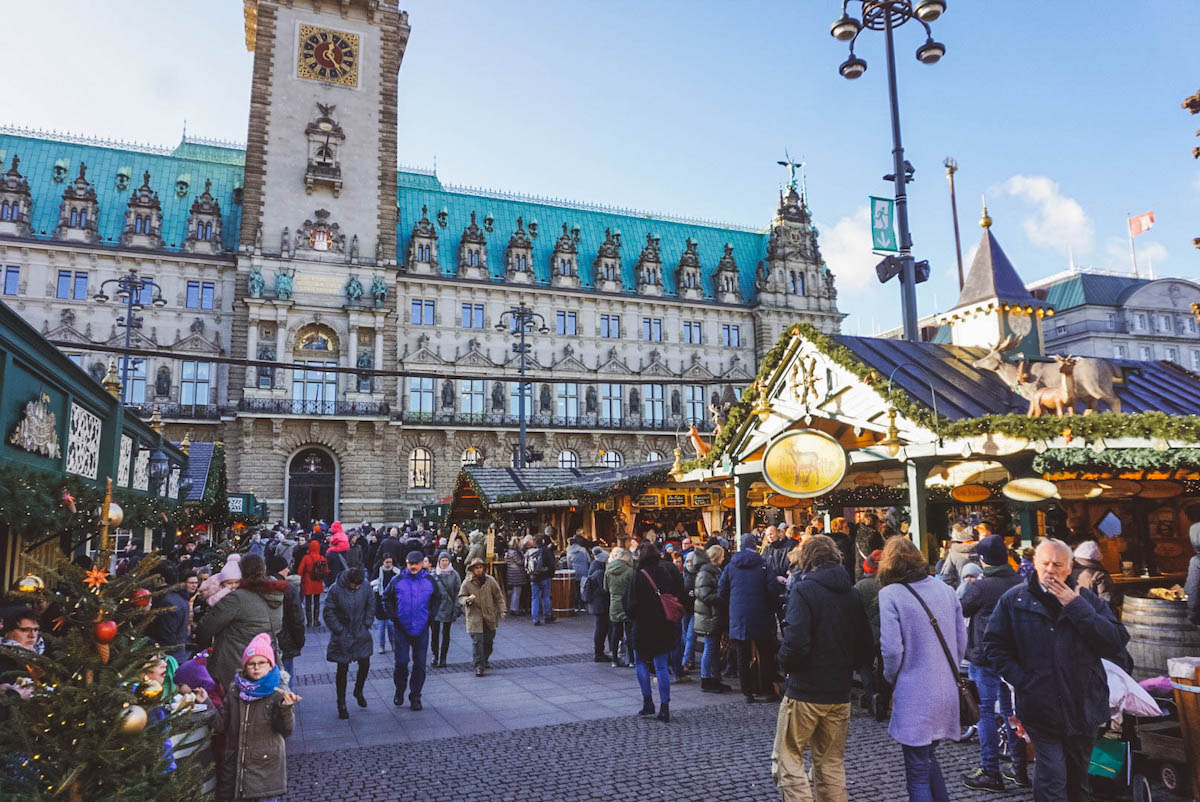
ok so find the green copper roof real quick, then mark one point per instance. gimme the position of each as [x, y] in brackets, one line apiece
[421, 188]
[39, 152]
[1090, 288]
[222, 163]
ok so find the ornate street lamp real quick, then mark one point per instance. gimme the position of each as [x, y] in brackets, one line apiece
[885, 15]
[131, 290]
[519, 321]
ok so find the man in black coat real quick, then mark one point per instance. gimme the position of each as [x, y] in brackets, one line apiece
[170, 626]
[390, 546]
[291, 635]
[1046, 637]
[979, 599]
[826, 638]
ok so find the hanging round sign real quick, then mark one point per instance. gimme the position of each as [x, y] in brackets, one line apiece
[729, 502]
[1119, 488]
[1029, 489]
[1077, 489]
[804, 463]
[781, 501]
[970, 494]
[1160, 489]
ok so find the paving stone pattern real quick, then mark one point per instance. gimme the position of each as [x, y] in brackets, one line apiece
[303, 680]
[720, 752]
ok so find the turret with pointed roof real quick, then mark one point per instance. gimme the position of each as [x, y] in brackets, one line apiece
[994, 302]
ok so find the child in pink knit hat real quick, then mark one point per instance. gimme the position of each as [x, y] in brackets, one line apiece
[256, 718]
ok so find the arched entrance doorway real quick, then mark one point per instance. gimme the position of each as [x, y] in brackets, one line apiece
[312, 486]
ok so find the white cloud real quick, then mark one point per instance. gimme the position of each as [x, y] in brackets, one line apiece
[1149, 254]
[846, 246]
[1056, 221]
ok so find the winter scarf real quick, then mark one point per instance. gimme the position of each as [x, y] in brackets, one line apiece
[249, 690]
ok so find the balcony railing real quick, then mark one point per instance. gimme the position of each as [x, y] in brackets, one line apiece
[181, 411]
[285, 406]
[635, 423]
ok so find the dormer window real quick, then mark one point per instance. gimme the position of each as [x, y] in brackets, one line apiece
[796, 283]
[471, 247]
[204, 223]
[518, 256]
[564, 259]
[564, 267]
[77, 214]
[521, 262]
[422, 256]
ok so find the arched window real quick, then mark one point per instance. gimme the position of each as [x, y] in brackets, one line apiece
[471, 456]
[568, 459]
[613, 459]
[653, 456]
[420, 468]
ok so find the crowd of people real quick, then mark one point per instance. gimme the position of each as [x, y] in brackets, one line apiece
[793, 613]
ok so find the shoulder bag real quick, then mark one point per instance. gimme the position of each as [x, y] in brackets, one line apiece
[672, 608]
[968, 694]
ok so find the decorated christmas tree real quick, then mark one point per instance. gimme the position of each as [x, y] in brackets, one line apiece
[96, 728]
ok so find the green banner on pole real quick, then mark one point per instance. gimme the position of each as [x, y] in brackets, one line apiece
[883, 216]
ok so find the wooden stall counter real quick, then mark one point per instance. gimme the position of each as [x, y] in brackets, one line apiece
[1129, 584]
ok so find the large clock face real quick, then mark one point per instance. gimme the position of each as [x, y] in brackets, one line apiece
[326, 55]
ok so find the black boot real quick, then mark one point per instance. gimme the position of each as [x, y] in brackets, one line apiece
[664, 712]
[602, 658]
[647, 707]
[398, 699]
[342, 711]
[708, 685]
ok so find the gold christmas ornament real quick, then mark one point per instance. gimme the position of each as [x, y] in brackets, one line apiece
[151, 689]
[133, 720]
[30, 584]
[115, 514]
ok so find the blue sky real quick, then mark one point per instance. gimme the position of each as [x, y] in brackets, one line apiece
[1067, 120]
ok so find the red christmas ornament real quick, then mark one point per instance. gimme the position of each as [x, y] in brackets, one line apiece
[68, 500]
[140, 598]
[105, 631]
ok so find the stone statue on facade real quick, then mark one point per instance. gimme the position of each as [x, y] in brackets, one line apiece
[546, 398]
[497, 397]
[448, 394]
[354, 249]
[379, 290]
[258, 239]
[255, 283]
[162, 382]
[283, 285]
[285, 242]
[354, 289]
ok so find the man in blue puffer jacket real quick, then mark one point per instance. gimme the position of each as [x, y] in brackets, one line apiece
[410, 600]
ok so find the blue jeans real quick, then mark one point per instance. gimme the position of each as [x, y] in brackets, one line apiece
[710, 656]
[676, 653]
[286, 663]
[923, 775]
[689, 637]
[660, 671]
[541, 599]
[387, 633]
[419, 646]
[514, 604]
[991, 691]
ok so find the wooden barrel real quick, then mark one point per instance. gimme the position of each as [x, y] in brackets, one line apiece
[562, 592]
[1158, 630]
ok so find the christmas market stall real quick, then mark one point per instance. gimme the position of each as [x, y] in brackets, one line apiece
[65, 438]
[600, 501]
[977, 424]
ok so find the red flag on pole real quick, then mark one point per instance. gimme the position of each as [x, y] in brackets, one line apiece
[1141, 224]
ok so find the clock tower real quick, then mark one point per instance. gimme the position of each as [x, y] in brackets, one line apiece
[322, 130]
[316, 263]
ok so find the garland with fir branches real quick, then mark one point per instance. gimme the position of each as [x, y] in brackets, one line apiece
[1116, 460]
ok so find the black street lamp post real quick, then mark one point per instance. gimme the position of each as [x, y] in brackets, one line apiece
[521, 319]
[886, 15]
[131, 289]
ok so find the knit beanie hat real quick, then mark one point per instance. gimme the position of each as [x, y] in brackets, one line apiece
[971, 570]
[600, 554]
[260, 646]
[871, 564]
[441, 554]
[992, 551]
[275, 563]
[1088, 550]
[232, 569]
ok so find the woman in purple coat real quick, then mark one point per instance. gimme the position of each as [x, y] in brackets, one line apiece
[925, 700]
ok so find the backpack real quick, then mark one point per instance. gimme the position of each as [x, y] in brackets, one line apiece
[587, 588]
[319, 570]
[533, 561]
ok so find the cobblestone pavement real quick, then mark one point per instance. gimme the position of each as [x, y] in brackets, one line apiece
[719, 752]
[550, 724]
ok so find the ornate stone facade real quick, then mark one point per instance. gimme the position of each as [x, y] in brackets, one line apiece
[372, 302]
